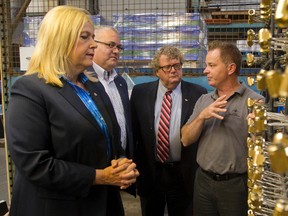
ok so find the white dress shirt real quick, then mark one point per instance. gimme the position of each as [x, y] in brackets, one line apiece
[112, 91]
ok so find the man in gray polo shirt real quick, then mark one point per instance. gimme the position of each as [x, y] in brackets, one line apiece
[219, 124]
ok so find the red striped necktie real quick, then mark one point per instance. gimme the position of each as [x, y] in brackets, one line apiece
[163, 129]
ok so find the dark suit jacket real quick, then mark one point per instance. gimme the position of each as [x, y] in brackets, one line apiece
[123, 91]
[142, 105]
[56, 145]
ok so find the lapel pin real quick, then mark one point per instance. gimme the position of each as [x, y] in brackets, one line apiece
[186, 99]
[95, 94]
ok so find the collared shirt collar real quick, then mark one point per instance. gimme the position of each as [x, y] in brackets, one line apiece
[163, 89]
[100, 72]
[240, 90]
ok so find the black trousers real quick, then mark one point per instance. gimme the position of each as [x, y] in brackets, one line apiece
[170, 191]
[220, 198]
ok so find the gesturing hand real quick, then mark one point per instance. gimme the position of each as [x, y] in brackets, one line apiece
[213, 110]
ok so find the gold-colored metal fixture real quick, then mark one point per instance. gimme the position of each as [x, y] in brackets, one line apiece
[255, 197]
[264, 37]
[277, 153]
[258, 124]
[250, 59]
[281, 15]
[261, 81]
[250, 37]
[251, 16]
[278, 158]
[265, 9]
[273, 80]
[281, 208]
[260, 118]
[283, 91]
[250, 81]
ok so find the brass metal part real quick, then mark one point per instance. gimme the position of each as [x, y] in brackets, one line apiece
[260, 80]
[259, 141]
[260, 124]
[260, 111]
[265, 9]
[255, 173]
[250, 59]
[259, 157]
[281, 208]
[283, 90]
[280, 138]
[255, 197]
[251, 151]
[251, 126]
[250, 183]
[273, 80]
[249, 141]
[265, 14]
[250, 37]
[281, 15]
[250, 213]
[250, 81]
[264, 37]
[265, 4]
[251, 16]
[260, 119]
[249, 162]
[250, 103]
[278, 158]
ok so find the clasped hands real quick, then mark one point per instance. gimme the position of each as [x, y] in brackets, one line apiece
[122, 173]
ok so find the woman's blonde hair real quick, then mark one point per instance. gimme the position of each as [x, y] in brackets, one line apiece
[57, 36]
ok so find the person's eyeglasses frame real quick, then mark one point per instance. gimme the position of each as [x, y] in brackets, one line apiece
[111, 45]
[176, 67]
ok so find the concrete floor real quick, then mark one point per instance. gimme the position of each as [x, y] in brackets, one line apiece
[131, 204]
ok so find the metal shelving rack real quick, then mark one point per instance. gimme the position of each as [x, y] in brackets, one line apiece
[6, 64]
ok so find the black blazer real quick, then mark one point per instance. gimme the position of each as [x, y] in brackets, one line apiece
[56, 145]
[142, 105]
[123, 91]
[124, 94]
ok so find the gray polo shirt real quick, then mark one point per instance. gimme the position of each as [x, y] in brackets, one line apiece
[222, 143]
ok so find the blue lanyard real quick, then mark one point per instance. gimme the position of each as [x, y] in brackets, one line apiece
[92, 107]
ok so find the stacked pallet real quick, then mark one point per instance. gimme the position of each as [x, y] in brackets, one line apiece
[32, 24]
[143, 34]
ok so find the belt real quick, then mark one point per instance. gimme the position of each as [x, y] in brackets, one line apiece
[167, 164]
[223, 177]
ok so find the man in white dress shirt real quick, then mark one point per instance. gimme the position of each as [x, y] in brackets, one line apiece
[106, 57]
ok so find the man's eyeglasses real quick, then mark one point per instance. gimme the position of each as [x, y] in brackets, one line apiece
[112, 45]
[168, 68]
